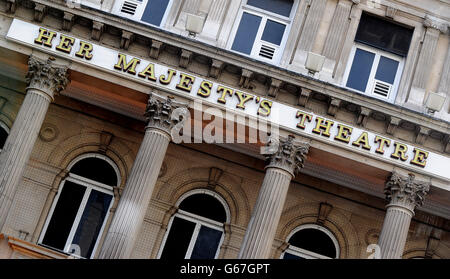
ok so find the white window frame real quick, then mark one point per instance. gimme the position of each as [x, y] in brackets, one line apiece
[308, 254]
[198, 220]
[141, 5]
[371, 82]
[265, 15]
[6, 128]
[90, 185]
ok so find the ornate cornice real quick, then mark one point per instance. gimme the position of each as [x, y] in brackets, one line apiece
[46, 77]
[435, 23]
[164, 114]
[287, 154]
[406, 191]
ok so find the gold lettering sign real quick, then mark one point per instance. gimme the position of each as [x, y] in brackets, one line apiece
[185, 82]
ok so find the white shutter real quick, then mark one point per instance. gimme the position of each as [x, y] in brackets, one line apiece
[132, 9]
[381, 88]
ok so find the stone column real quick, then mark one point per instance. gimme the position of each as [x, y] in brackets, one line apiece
[44, 81]
[422, 72]
[287, 159]
[161, 117]
[403, 194]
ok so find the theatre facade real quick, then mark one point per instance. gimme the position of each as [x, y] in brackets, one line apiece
[224, 129]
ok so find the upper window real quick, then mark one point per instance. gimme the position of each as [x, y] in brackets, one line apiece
[376, 61]
[4, 132]
[81, 207]
[311, 242]
[262, 28]
[196, 230]
[153, 12]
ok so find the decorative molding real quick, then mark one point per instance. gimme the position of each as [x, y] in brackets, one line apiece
[432, 246]
[48, 132]
[324, 211]
[11, 6]
[68, 21]
[363, 116]
[392, 125]
[390, 12]
[39, 12]
[435, 23]
[246, 77]
[105, 140]
[44, 76]
[275, 85]
[216, 68]
[159, 113]
[333, 106]
[405, 191]
[97, 30]
[287, 154]
[185, 58]
[304, 97]
[214, 175]
[155, 49]
[126, 39]
[422, 134]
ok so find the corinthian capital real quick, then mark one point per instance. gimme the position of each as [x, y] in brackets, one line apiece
[164, 113]
[406, 191]
[46, 77]
[287, 154]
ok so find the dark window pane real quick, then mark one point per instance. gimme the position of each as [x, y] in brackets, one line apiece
[281, 7]
[154, 12]
[3, 137]
[288, 256]
[387, 68]
[360, 71]
[246, 33]
[178, 239]
[273, 32]
[64, 214]
[206, 206]
[384, 34]
[315, 241]
[96, 169]
[207, 243]
[91, 222]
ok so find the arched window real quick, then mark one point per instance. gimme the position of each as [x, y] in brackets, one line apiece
[311, 242]
[196, 230]
[81, 207]
[4, 132]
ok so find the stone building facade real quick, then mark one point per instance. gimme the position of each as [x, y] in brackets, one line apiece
[92, 91]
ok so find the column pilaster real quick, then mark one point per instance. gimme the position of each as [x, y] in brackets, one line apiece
[434, 28]
[45, 79]
[404, 195]
[138, 191]
[287, 159]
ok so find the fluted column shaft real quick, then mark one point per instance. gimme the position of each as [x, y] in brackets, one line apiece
[44, 82]
[287, 159]
[266, 214]
[404, 194]
[136, 196]
[394, 232]
[138, 191]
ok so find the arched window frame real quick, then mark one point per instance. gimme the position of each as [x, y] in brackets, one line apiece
[90, 185]
[198, 220]
[308, 254]
[6, 128]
